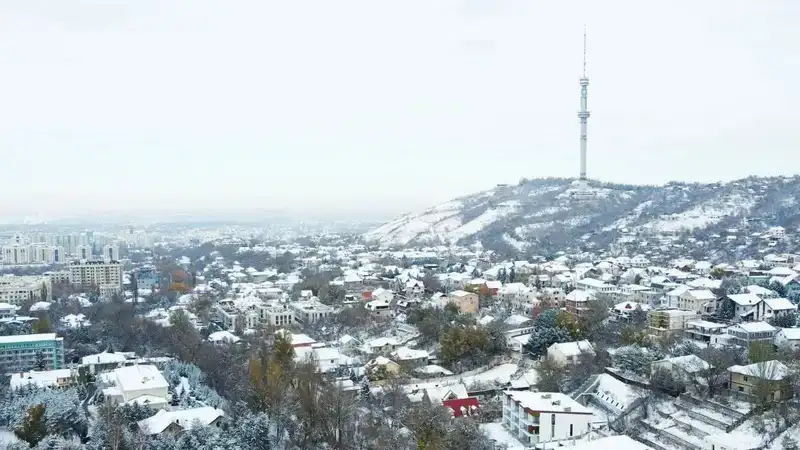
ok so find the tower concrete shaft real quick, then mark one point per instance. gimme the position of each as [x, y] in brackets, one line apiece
[583, 114]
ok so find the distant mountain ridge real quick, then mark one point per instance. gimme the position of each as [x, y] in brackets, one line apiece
[542, 215]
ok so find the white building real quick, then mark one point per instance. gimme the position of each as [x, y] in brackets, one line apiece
[543, 417]
[570, 352]
[142, 384]
[18, 290]
[276, 315]
[110, 253]
[310, 311]
[83, 252]
[699, 300]
[174, 422]
[106, 275]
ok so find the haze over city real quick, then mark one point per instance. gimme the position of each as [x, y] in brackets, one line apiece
[375, 108]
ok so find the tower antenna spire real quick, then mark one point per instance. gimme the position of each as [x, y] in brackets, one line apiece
[584, 50]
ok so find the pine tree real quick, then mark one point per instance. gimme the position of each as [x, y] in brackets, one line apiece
[34, 425]
[41, 364]
[365, 392]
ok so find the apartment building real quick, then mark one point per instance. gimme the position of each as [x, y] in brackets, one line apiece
[670, 320]
[544, 417]
[107, 275]
[110, 253]
[310, 311]
[17, 290]
[704, 331]
[747, 333]
[277, 316]
[19, 353]
[83, 252]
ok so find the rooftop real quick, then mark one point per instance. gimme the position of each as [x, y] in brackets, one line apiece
[547, 402]
[28, 338]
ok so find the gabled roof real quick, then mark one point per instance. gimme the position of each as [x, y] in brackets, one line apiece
[184, 418]
[745, 299]
[780, 304]
[767, 370]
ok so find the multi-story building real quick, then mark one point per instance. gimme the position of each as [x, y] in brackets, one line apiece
[310, 311]
[467, 302]
[47, 254]
[20, 353]
[704, 331]
[577, 302]
[110, 253]
[543, 417]
[747, 333]
[147, 277]
[18, 290]
[276, 315]
[670, 320]
[14, 254]
[83, 252]
[106, 275]
[58, 276]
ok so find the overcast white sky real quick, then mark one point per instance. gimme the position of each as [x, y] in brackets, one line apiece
[383, 106]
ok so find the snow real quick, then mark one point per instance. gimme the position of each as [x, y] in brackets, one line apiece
[495, 432]
[622, 393]
[702, 215]
[517, 244]
[7, 437]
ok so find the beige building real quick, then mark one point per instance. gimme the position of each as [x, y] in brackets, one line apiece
[277, 316]
[16, 290]
[766, 379]
[670, 320]
[106, 275]
[467, 302]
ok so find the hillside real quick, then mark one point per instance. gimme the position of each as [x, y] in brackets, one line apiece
[538, 216]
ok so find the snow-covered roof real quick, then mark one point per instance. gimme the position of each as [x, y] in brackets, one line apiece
[755, 327]
[689, 363]
[745, 299]
[140, 377]
[547, 401]
[790, 334]
[41, 379]
[620, 442]
[103, 358]
[767, 370]
[575, 348]
[780, 304]
[28, 338]
[405, 353]
[223, 336]
[184, 418]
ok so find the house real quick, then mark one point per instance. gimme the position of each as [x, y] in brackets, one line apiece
[45, 379]
[747, 306]
[704, 331]
[788, 338]
[453, 397]
[141, 384]
[539, 417]
[380, 309]
[594, 285]
[745, 334]
[414, 288]
[686, 368]
[174, 422]
[624, 310]
[223, 337]
[101, 362]
[382, 364]
[298, 340]
[467, 302]
[701, 301]
[570, 352]
[779, 307]
[673, 297]
[765, 379]
[577, 302]
[667, 321]
[384, 295]
[410, 357]
[384, 345]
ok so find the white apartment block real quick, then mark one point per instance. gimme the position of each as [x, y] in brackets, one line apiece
[110, 253]
[310, 311]
[16, 290]
[277, 316]
[83, 252]
[543, 417]
[106, 275]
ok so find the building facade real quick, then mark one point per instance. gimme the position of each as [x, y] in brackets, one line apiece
[20, 353]
[18, 290]
[106, 275]
[543, 417]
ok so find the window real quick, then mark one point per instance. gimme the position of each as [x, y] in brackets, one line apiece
[570, 430]
[745, 378]
[741, 389]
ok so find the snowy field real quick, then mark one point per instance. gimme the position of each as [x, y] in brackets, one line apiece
[500, 436]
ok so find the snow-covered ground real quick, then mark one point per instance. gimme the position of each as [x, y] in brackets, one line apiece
[701, 215]
[7, 437]
[501, 436]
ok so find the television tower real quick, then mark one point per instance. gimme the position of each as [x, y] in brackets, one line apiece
[583, 114]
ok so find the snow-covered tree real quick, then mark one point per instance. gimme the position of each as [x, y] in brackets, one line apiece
[542, 338]
[252, 433]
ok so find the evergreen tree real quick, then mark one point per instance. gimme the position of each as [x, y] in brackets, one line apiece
[726, 309]
[778, 288]
[788, 320]
[542, 338]
[252, 433]
[365, 392]
[512, 276]
[41, 364]
[34, 426]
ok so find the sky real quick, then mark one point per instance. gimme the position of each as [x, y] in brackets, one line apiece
[378, 107]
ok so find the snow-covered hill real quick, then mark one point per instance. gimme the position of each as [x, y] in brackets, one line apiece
[542, 214]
